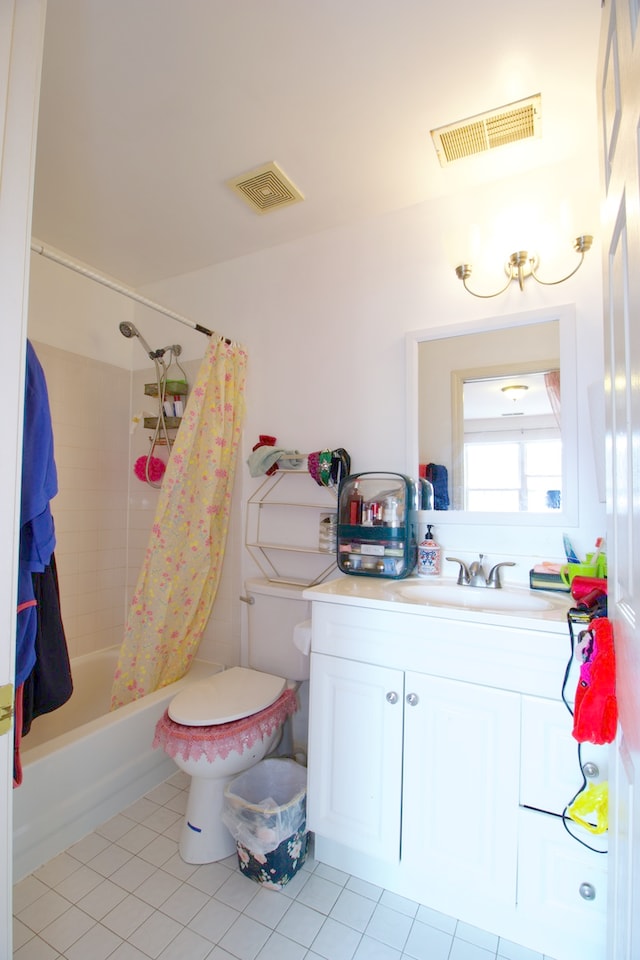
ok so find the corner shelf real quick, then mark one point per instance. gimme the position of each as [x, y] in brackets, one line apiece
[271, 508]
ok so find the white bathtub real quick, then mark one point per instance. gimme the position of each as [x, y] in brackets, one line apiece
[83, 764]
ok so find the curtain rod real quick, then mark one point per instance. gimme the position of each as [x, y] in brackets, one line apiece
[64, 261]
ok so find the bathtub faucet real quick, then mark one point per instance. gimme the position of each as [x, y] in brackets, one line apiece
[474, 575]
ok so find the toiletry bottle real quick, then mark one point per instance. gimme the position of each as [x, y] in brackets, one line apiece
[428, 556]
[355, 504]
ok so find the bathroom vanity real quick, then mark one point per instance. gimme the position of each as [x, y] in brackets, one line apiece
[441, 756]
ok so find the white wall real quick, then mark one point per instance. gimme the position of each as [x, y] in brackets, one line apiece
[325, 319]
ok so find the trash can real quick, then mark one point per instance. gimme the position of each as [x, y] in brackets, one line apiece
[265, 810]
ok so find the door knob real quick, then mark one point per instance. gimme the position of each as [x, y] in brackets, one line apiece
[587, 891]
[392, 696]
[413, 699]
[590, 769]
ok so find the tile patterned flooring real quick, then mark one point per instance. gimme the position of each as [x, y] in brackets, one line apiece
[123, 893]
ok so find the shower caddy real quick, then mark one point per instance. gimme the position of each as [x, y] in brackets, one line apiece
[166, 391]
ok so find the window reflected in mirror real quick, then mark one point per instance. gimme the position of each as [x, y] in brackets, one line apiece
[489, 419]
[512, 447]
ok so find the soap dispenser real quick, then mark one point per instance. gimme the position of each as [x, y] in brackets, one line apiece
[428, 556]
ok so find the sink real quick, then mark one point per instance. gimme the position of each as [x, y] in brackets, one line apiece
[438, 594]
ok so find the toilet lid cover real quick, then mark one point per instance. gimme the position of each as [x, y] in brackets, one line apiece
[224, 697]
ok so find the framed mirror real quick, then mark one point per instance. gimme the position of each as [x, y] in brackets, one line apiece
[492, 418]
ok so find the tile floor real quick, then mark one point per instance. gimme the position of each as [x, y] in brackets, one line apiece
[123, 893]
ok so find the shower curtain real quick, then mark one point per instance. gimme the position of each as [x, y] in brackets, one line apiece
[181, 570]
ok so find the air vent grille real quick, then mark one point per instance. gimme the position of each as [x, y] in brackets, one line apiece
[515, 121]
[266, 188]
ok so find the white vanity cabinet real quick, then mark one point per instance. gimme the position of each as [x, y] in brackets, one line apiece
[439, 761]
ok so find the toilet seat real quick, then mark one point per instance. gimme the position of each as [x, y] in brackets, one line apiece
[224, 697]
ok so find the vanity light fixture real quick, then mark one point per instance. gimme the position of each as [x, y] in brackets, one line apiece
[522, 265]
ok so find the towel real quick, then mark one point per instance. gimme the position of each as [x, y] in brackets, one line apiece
[265, 458]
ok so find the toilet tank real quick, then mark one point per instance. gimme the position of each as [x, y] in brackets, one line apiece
[273, 614]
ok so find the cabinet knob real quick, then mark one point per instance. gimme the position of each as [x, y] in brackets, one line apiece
[587, 891]
[392, 696]
[590, 769]
[413, 699]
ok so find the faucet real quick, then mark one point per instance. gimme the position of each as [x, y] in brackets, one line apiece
[475, 575]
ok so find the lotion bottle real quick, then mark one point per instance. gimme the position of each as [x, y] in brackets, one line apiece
[428, 556]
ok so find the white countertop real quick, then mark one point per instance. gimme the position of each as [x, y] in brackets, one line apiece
[516, 606]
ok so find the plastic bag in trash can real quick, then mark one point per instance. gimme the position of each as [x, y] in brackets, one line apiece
[267, 804]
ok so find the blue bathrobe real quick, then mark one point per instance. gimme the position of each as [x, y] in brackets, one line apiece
[37, 533]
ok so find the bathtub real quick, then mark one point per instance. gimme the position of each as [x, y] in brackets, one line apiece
[82, 764]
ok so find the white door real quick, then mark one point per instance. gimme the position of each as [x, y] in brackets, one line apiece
[461, 782]
[355, 755]
[619, 112]
[21, 37]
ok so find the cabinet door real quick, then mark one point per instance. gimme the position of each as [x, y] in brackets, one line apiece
[355, 755]
[460, 802]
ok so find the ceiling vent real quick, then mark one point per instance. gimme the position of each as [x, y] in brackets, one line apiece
[515, 121]
[266, 188]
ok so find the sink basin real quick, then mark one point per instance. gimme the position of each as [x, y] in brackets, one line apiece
[508, 600]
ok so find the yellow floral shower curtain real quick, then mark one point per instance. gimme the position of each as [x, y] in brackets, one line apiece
[181, 570]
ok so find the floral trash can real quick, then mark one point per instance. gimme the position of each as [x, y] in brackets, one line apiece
[265, 811]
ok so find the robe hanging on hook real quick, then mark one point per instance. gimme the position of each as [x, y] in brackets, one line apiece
[522, 265]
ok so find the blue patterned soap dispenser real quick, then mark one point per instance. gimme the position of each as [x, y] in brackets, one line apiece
[428, 556]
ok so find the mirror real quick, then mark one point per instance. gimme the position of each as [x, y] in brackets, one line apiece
[494, 404]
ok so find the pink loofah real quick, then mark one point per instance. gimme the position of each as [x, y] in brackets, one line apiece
[156, 468]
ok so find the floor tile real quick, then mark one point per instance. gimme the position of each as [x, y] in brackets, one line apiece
[109, 860]
[428, 943]
[159, 850]
[268, 907]
[353, 910]
[68, 928]
[319, 894]
[245, 938]
[434, 918]
[98, 944]
[26, 891]
[184, 903]
[213, 920]
[300, 923]
[278, 947]
[79, 883]
[36, 949]
[43, 911]
[21, 933]
[370, 949]
[102, 899]
[237, 891]
[512, 951]
[127, 916]
[462, 950]
[481, 938]
[208, 877]
[389, 926]
[132, 873]
[138, 837]
[155, 934]
[188, 945]
[56, 870]
[89, 847]
[158, 887]
[365, 889]
[335, 941]
[115, 828]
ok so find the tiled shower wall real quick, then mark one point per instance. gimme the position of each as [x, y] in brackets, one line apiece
[103, 513]
[89, 403]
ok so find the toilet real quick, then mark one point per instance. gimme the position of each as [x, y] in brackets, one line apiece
[219, 727]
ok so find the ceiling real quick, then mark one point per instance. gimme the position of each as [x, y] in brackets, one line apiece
[148, 107]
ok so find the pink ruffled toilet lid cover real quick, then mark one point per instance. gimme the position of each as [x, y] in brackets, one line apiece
[221, 739]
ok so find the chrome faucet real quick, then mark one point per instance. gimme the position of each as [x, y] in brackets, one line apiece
[474, 575]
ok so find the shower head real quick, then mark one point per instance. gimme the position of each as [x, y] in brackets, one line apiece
[128, 330]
